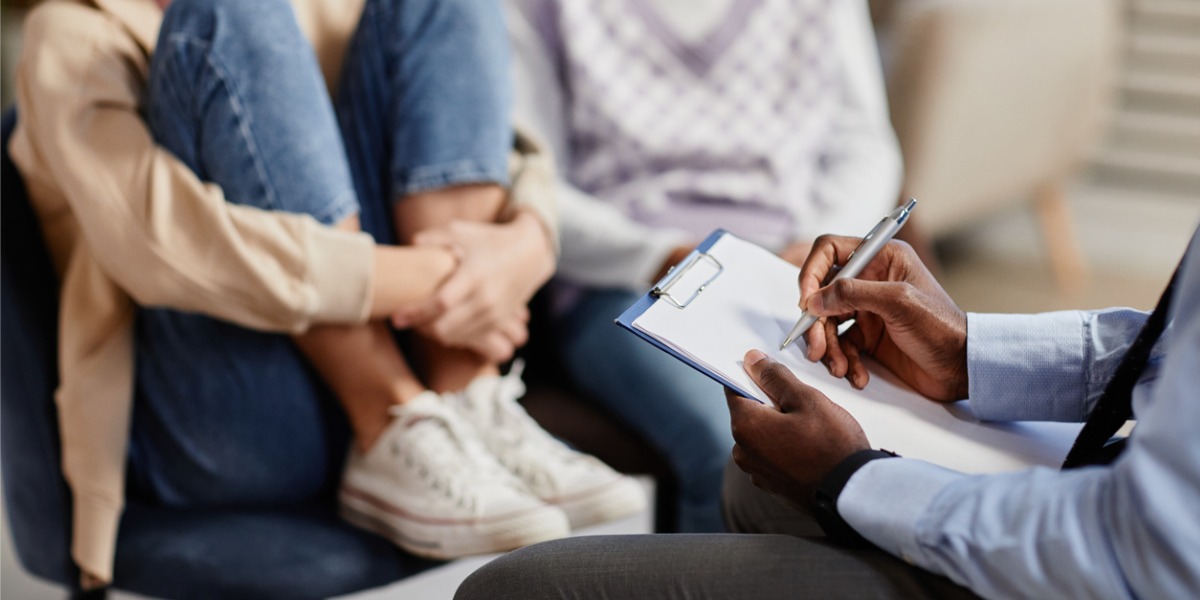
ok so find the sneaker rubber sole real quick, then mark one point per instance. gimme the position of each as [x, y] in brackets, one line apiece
[446, 538]
[611, 500]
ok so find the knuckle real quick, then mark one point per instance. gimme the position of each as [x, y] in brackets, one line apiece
[843, 292]
[902, 247]
[843, 286]
[739, 455]
[907, 295]
[904, 253]
[497, 347]
[491, 315]
[520, 336]
[441, 303]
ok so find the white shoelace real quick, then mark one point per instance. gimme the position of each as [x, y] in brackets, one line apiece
[446, 453]
[523, 445]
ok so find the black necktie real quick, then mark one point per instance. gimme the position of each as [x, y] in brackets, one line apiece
[1116, 403]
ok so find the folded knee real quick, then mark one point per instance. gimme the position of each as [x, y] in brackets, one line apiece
[206, 19]
[519, 574]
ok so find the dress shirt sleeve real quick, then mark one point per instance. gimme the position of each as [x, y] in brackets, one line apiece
[1120, 531]
[859, 178]
[600, 245]
[1047, 367]
[165, 237]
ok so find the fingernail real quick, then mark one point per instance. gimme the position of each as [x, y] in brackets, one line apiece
[754, 356]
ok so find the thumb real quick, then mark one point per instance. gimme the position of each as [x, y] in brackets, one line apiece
[778, 381]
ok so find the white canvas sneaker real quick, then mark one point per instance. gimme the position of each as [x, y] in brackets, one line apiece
[588, 490]
[430, 486]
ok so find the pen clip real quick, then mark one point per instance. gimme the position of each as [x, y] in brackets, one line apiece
[664, 288]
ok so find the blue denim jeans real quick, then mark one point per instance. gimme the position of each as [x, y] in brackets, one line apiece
[228, 416]
[678, 410]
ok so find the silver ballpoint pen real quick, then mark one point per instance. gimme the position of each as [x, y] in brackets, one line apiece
[875, 240]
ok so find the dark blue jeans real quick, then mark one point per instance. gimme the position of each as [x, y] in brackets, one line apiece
[228, 416]
[681, 412]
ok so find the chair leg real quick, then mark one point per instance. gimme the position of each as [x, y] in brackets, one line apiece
[1062, 242]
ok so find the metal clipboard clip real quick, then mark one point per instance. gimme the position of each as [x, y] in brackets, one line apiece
[665, 289]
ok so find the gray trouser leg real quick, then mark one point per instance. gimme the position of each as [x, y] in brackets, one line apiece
[785, 557]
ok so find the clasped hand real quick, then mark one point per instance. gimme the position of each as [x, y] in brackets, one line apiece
[482, 306]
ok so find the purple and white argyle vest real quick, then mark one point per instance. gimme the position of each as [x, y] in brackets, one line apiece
[725, 132]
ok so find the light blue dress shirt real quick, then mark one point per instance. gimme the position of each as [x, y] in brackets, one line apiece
[1131, 529]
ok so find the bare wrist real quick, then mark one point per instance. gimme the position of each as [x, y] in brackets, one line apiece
[405, 275]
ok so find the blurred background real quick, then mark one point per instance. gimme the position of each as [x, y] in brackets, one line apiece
[1054, 146]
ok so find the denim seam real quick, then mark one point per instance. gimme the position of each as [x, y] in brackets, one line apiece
[332, 211]
[237, 107]
[419, 179]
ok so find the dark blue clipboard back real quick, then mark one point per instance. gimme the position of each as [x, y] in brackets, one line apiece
[645, 302]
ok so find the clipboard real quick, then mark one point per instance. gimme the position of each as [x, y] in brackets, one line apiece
[673, 289]
[729, 296]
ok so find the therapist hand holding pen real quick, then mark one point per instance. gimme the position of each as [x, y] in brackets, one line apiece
[903, 317]
[863, 253]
